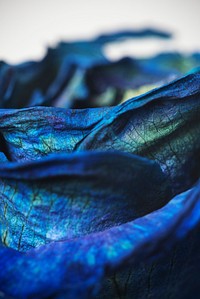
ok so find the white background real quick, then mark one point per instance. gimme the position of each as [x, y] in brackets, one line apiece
[27, 27]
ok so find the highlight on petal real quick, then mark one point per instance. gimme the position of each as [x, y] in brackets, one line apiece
[68, 196]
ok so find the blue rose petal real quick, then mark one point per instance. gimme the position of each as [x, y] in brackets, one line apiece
[67, 196]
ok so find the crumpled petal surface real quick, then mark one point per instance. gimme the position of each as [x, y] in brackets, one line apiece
[68, 196]
[162, 125]
[173, 274]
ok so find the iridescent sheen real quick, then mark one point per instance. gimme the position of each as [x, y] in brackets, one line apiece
[162, 125]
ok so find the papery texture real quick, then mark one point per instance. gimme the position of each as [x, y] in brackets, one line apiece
[68, 196]
[162, 125]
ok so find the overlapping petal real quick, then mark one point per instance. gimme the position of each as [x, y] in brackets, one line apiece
[68, 196]
[162, 125]
[47, 81]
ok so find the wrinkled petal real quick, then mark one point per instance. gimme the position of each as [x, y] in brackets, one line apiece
[67, 196]
[32, 133]
[162, 125]
[173, 274]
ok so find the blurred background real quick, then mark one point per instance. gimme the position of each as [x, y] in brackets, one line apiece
[28, 27]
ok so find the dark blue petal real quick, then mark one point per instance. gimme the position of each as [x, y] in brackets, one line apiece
[168, 271]
[105, 38]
